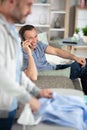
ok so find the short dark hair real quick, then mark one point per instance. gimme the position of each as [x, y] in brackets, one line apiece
[23, 29]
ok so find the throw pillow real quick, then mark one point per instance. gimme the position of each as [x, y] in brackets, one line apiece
[43, 37]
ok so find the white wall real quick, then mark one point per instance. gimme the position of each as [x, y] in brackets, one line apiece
[73, 3]
[35, 17]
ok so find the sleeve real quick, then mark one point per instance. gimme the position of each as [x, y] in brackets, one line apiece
[42, 46]
[29, 85]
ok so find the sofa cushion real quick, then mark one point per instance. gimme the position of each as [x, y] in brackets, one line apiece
[63, 72]
[43, 37]
[54, 82]
[56, 43]
[41, 126]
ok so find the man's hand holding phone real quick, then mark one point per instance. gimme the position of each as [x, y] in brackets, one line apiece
[27, 47]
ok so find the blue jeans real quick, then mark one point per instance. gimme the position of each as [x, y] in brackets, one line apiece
[6, 123]
[77, 71]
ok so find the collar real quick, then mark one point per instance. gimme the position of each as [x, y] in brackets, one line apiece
[7, 25]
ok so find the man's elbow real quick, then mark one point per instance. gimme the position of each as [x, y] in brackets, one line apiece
[33, 78]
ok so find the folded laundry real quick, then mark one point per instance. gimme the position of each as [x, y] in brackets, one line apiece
[64, 110]
[68, 111]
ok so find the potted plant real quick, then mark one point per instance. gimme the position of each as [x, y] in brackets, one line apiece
[76, 30]
[76, 34]
[85, 34]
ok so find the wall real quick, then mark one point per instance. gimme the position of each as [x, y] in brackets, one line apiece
[81, 52]
[35, 17]
[73, 3]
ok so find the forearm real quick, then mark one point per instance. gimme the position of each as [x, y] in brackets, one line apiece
[60, 53]
[66, 54]
[31, 70]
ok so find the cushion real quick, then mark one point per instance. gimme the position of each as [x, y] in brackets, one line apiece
[54, 82]
[63, 72]
[54, 60]
[43, 37]
[41, 126]
[56, 42]
[63, 92]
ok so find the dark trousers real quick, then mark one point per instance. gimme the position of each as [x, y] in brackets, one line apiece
[6, 123]
[77, 71]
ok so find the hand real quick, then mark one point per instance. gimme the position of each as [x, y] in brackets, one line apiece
[81, 61]
[46, 93]
[27, 47]
[34, 104]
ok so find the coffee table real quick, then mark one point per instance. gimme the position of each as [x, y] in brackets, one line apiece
[71, 46]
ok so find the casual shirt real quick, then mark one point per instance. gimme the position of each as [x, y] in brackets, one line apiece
[39, 58]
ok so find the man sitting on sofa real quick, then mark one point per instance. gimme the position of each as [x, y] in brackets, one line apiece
[34, 57]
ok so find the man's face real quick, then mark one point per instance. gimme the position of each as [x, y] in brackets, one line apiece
[21, 9]
[31, 35]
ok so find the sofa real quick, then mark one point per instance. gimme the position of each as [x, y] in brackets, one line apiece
[43, 126]
[59, 81]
